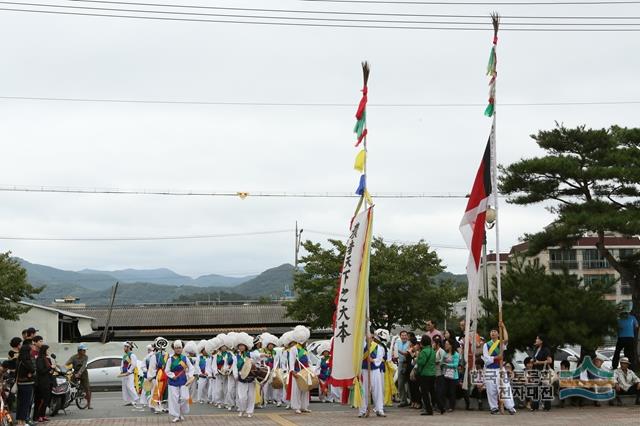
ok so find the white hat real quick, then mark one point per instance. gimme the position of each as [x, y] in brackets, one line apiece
[624, 360]
[177, 344]
[601, 358]
[243, 339]
[285, 339]
[149, 348]
[127, 345]
[190, 347]
[324, 346]
[269, 339]
[229, 340]
[221, 339]
[210, 345]
[300, 334]
[382, 335]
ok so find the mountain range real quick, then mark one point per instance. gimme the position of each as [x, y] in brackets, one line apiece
[93, 287]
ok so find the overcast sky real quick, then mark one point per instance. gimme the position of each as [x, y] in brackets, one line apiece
[267, 148]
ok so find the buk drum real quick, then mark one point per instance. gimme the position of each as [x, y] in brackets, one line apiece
[306, 380]
[278, 381]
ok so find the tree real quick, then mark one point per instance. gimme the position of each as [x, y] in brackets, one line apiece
[592, 180]
[14, 288]
[558, 306]
[402, 285]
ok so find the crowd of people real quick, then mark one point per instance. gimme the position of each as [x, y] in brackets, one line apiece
[240, 373]
[30, 370]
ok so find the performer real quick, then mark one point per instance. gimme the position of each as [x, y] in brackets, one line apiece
[246, 397]
[212, 350]
[180, 372]
[491, 355]
[201, 366]
[129, 373]
[227, 369]
[281, 372]
[324, 349]
[268, 359]
[217, 370]
[376, 359]
[191, 351]
[155, 374]
[145, 385]
[298, 360]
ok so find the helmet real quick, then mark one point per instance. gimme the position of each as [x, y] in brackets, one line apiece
[160, 343]
[382, 335]
[82, 347]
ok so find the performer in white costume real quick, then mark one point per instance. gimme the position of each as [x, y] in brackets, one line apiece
[145, 392]
[230, 397]
[246, 388]
[376, 358]
[191, 351]
[180, 372]
[267, 357]
[155, 374]
[298, 360]
[493, 369]
[128, 372]
[201, 370]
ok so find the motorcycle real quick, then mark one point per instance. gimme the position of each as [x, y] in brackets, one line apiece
[65, 391]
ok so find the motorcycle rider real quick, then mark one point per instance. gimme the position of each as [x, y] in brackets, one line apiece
[79, 364]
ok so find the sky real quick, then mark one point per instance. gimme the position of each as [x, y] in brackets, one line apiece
[277, 148]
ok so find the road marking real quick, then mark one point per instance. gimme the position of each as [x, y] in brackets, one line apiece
[280, 420]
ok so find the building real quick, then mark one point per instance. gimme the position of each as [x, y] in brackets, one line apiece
[55, 325]
[193, 321]
[584, 260]
[488, 272]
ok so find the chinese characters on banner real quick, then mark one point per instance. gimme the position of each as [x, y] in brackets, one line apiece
[349, 330]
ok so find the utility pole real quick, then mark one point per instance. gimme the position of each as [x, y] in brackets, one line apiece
[298, 242]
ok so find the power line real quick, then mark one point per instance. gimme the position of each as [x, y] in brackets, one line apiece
[152, 238]
[240, 194]
[359, 13]
[468, 3]
[318, 104]
[304, 18]
[316, 25]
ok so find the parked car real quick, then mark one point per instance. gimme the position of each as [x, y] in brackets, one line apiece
[103, 372]
[562, 353]
[607, 353]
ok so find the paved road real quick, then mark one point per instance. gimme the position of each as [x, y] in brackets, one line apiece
[110, 412]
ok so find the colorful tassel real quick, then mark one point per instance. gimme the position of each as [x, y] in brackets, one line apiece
[362, 186]
[361, 158]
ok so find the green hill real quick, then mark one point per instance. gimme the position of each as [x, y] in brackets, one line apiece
[270, 283]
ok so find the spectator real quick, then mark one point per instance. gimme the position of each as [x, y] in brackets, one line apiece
[402, 348]
[426, 372]
[414, 384]
[587, 375]
[542, 360]
[79, 364]
[461, 392]
[565, 365]
[627, 382]
[25, 376]
[440, 384]
[627, 327]
[478, 389]
[449, 335]
[36, 344]
[44, 381]
[450, 372]
[432, 330]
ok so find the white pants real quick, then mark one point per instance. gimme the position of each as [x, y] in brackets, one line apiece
[336, 393]
[203, 383]
[267, 393]
[230, 398]
[299, 399]
[178, 400]
[377, 391]
[219, 389]
[129, 394]
[492, 382]
[246, 397]
[277, 395]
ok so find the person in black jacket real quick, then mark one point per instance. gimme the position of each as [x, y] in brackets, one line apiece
[44, 379]
[25, 378]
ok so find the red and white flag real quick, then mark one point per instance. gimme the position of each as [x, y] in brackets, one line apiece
[472, 228]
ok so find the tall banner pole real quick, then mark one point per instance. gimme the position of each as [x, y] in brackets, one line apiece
[351, 319]
[490, 111]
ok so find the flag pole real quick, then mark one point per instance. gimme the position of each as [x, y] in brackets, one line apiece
[490, 111]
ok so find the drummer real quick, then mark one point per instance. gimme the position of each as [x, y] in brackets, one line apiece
[180, 372]
[298, 363]
[203, 378]
[246, 390]
[325, 371]
[227, 369]
[268, 357]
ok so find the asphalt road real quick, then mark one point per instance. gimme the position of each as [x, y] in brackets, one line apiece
[109, 411]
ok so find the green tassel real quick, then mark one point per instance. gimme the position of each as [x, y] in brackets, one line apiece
[359, 127]
[491, 66]
[489, 110]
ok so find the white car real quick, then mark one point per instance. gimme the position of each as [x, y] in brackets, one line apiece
[562, 353]
[104, 371]
[607, 353]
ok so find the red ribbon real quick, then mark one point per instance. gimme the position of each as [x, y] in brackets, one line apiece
[362, 136]
[363, 103]
[495, 39]
[289, 386]
[491, 101]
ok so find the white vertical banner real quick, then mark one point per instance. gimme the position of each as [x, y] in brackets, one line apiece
[349, 322]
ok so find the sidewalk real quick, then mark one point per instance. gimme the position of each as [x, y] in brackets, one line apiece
[629, 415]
